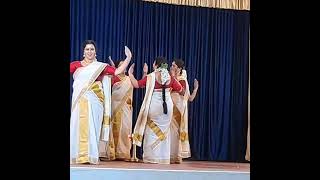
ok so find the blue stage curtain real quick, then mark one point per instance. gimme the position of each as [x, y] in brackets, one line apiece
[214, 43]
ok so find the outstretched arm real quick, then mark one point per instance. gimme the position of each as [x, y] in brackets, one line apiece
[126, 62]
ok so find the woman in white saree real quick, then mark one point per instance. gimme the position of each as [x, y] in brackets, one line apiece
[180, 147]
[121, 118]
[91, 104]
[155, 115]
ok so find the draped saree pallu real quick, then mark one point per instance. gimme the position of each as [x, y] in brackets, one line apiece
[180, 147]
[88, 113]
[154, 125]
[106, 143]
[121, 103]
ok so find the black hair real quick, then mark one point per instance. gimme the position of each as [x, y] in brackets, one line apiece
[158, 62]
[116, 63]
[86, 42]
[180, 64]
[89, 42]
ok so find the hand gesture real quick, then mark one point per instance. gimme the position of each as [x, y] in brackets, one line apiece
[127, 52]
[131, 69]
[111, 62]
[145, 68]
[195, 84]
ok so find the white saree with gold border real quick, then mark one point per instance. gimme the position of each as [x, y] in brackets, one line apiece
[106, 140]
[121, 120]
[180, 147]
[88, 113]
[154, 125]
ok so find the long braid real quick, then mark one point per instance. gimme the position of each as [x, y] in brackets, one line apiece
[164, 104]
[162, 62]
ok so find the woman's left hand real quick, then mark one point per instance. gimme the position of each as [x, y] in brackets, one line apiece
[196, 84]
[131, 69]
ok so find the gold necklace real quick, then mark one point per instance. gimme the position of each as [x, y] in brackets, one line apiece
[85, 63]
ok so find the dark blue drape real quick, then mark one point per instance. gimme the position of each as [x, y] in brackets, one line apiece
[214, 44]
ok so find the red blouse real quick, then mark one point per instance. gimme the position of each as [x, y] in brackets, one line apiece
[115, 79]
[183, 84]
[174, 84]
[108, 70]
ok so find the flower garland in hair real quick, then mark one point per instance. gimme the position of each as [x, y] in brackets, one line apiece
[163, 69]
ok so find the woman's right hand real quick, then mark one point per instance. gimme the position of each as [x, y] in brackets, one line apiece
[127, 52]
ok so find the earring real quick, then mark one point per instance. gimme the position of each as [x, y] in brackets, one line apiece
[83, 55]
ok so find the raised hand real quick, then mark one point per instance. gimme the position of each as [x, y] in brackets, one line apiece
[131, 69]
[195, 84]
[111, 62]
[145, 68]
[127, 52]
